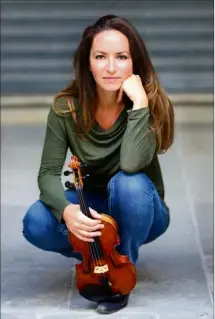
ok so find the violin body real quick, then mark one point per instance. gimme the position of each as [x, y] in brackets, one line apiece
[120, 271]
[103, 272]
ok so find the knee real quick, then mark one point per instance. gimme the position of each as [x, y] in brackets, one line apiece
[131, 186]
[131, 195]
[36, 222]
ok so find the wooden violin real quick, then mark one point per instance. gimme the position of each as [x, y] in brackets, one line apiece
[103, 271]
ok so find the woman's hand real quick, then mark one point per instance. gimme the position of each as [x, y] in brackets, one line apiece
[80, 225]
[133, 87]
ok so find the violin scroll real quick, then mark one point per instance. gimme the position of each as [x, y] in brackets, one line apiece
[75, 166]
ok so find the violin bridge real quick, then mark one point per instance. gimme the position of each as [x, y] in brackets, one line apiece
[101, 269]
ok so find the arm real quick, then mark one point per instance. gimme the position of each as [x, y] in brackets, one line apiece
[138, 145]
[53, 158]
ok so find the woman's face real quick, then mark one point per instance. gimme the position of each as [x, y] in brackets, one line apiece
[110, 59]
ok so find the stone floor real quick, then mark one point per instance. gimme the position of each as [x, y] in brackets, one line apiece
[175, 273]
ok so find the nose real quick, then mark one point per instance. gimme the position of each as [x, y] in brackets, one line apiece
[111, 68]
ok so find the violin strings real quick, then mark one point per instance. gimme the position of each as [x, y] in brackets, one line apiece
[93, 252]
[82, 204]
[86, 208]
[93, 246]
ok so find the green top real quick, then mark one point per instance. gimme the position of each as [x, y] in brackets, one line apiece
[125, 146]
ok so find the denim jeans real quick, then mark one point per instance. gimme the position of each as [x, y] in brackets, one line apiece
[132, 200]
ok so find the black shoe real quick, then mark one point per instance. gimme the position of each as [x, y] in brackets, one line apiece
[112, 304]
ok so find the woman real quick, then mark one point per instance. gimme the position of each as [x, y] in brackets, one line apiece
[116, 119]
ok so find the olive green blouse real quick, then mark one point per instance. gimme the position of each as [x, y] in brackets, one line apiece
[127, 145]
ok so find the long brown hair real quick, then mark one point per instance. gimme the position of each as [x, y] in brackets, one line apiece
[83, 87]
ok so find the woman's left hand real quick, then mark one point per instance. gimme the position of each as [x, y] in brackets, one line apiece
[133, 87]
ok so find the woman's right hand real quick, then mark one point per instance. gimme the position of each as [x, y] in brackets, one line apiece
[80, 225]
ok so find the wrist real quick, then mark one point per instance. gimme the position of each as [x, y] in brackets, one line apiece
[139, 104]
[68, 210]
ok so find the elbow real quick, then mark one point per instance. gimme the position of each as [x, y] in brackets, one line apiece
[128, 169]
[40, 178]
[132, 165]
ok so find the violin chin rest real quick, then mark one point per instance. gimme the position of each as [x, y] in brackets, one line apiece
[97, 293]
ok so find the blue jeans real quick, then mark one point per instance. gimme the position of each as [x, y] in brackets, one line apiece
[132, 200]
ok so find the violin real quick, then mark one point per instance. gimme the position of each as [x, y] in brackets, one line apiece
[103, 272]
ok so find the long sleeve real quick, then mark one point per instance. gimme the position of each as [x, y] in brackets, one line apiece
[53, 158]
[138, 145]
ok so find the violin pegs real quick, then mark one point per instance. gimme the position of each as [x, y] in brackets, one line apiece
[69, 184]
[67, 173]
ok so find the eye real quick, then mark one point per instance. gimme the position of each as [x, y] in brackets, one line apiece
[123, 57]
[99, 56]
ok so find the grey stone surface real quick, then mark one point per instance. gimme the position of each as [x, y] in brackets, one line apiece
[195, 144]
[174, 272]
[119, 315]
[15, 316]
[30, 277]
[205, 218]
